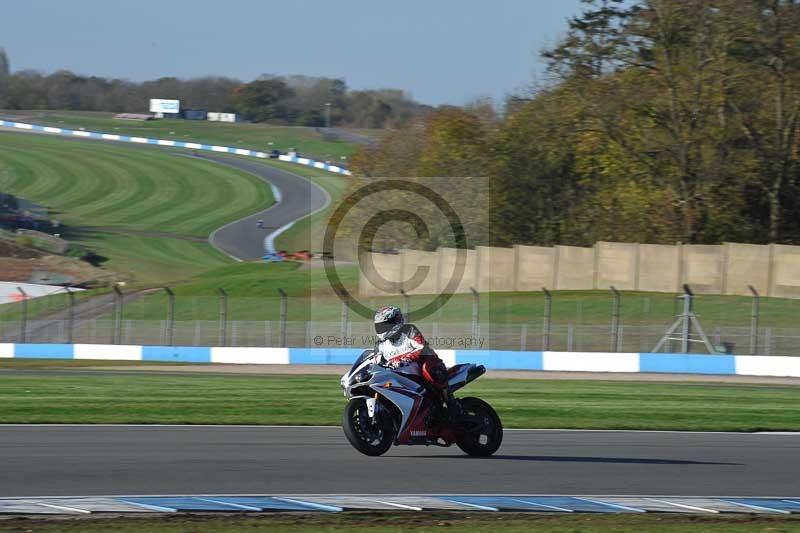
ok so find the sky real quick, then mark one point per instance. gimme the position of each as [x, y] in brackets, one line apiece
[439, 51]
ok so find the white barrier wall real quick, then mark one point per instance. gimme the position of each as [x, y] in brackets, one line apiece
[250, 356]
[590, 362]
[6, 350]
[670, 363]
[765, 365]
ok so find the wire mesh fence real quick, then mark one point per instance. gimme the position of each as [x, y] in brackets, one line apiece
[595, 321]
[314, 334]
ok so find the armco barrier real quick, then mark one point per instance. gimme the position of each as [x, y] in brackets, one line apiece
[747, 365]
[176, 144]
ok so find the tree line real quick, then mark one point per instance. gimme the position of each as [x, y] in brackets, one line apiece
[290, 100]
[663, 121]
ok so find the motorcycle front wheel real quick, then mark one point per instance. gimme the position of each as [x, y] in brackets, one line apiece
[370, 436]
[486, 438]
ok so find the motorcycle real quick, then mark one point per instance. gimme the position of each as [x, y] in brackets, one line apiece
[387, 407]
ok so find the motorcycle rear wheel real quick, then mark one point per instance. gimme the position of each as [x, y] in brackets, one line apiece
[369, 436]
[486, 440]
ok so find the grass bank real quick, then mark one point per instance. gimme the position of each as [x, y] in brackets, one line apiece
[262, 137]
[147, 211]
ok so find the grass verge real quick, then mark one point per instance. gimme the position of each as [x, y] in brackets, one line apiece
[263, 137]
[317, 400]
[433, 521]
[147, 211]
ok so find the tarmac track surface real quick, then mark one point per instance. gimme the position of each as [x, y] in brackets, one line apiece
[299, 198]
[108, 460]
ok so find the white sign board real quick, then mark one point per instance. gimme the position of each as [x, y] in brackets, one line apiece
[157, 105]
[221, 117]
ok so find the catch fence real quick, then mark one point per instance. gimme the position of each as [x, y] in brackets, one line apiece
[562, 321]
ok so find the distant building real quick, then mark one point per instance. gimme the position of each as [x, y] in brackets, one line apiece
[223, 117]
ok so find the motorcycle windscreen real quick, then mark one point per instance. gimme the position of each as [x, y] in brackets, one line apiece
[364, 355]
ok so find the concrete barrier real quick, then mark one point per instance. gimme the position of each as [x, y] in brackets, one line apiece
[381, 274]
[419, 271]
[659, 268]
[747, 365]
[617, 265]
[774, 270]
[495, 269]
[745, 265]
[451, 261]
[703, 268]
[785, 282]
[574, 268]
[533, 268]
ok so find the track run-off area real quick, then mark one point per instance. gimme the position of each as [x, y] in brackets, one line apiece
[69, 460]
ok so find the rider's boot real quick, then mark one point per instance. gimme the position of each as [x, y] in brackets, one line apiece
[454, 411]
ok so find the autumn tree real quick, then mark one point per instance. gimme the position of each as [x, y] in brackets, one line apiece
[765, 96]
[5, 71]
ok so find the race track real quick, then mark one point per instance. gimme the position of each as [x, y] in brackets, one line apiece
[242, 239]
[108, 460]
[299, 198]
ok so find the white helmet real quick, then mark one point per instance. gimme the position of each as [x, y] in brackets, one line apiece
[388, 321]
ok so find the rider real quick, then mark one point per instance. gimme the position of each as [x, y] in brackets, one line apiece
[407, 351]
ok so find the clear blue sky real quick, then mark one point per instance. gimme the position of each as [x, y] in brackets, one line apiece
[440, 51]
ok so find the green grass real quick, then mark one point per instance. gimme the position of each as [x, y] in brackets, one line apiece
[115, 198]
[226, 399]
[151, 260]
[94, 184]
[365, 522]
[262, 137]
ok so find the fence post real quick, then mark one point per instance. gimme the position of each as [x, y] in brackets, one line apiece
[687, 309]
[23, 321]
[476, 325]
[406, 305]
[170, 316]
[223, 317]
[754, 321]
[283, 318]
[570, 336]
[116, 335]
[768, 341]
[548, 313]
[345, 315]
[70, 315]
[615, 320]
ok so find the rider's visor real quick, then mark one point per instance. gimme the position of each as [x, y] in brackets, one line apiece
[383, 327]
